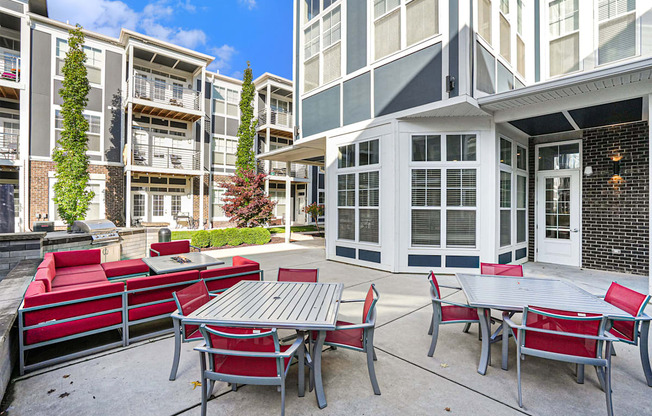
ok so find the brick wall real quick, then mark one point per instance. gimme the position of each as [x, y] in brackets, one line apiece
[613, 217]
[616, 216]
[39, 197]
[195, 198]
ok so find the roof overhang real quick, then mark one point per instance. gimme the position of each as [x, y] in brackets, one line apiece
[462, 106]
[310, 152]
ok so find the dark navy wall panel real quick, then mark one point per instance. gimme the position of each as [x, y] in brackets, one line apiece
[520, 253]
[505, 258]
[357, 99]
[356, 35]
[471, 262]
[321, 112]
[368, 255]
[41, 101]
[345, 252]
[408, 82]
[421, 260]
[453, 44]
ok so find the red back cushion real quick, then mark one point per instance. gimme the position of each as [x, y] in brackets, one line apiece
[77, 258]
[192, 297]
[244, 366]
[298, 275]
[46, 275]
[173, 247]
[221, 284]
[368, 303]
[48, 261]
[501, 269]
[582, 323]
[631, 302]
[433, 279]
[158, 293]
[35, 288]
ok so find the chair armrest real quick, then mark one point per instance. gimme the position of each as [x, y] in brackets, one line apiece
[354, 326]
[195, 247]
[155, 251]
[251, 354]
[450, 287]
[447, 302]
[214, 295]
[176, 315]
[643, 317]
[605, 337]
[351, 300]
[293, 348]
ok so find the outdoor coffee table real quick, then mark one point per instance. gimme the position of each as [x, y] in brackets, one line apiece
[512, 294]
[166, 264]
[289, 305]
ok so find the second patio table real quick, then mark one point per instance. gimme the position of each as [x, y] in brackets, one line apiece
[167, 264]
[507, 293]
[290, 305]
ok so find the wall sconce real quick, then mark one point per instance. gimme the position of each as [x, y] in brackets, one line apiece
[588, 171]
[615, 161]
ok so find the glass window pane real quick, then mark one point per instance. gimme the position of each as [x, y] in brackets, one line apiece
[346, 224]
[520, 226]
[505, 152]
[521, 158]
[369, 153]
[505, 227]
[433, 148]
[369, 225]
[505, 189]
[426, 227]
[418, 148]
[346, 156]
[521, 191]
[460, 228]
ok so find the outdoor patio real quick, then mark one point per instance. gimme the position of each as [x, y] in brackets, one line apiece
[134, 380]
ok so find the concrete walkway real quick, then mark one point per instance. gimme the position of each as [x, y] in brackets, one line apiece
[134, 380]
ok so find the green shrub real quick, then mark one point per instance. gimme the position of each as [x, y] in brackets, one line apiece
[261, 235]
[218, 238]
[248, 235]
[201, 239]
[181, 235]
[233, 236]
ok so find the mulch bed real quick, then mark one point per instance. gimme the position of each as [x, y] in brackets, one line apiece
[274, 240]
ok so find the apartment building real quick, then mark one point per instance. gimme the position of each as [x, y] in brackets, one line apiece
[162, 128]
[455, 132]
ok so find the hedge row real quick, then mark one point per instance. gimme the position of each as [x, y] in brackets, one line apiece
[224, 237]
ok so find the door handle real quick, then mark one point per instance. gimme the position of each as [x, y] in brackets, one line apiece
[575, 230]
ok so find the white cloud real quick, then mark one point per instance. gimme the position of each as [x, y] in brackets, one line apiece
[223, 56]
[249, 4]
[187, 6]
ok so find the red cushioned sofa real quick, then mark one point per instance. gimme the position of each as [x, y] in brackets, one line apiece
[71, 297]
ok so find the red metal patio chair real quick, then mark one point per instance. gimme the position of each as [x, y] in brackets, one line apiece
[170, 248]
[447, 312]
[188, 300]
[238, 355]
[572, 337]
[358, 337]
[501, 269]
[298, 275]
[633, 331]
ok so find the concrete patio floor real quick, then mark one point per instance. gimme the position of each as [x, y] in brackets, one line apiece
[134, 380]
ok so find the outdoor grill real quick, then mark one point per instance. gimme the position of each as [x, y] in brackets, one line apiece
[101, 231]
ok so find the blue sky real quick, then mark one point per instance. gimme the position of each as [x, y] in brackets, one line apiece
[233, 31]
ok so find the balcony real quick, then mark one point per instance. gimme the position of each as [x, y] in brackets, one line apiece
[165, 157]
[297, 170]
[10, 74]
[8, 146]
[276, 118]
[162, 98]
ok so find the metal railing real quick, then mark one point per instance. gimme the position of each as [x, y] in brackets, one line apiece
[9, 146]
[9, 66]
[297, 170]
[276, 118]
[165, 91]
[165, 157]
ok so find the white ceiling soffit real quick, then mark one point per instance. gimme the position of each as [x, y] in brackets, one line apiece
[301, 152]
[463, 108]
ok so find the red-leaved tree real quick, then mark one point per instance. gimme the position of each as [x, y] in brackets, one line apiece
[245, 201]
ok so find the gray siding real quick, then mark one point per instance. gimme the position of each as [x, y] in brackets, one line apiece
[94, 97]
[356, 35]
[408, 82]
[11, 5]
[357, 99]
[41, 100]
[321, 112]
[453, 45]
[113, 106]
[218, 125]
[232, 126]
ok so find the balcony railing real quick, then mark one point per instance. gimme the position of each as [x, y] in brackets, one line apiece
[276, 118]
[9, 146]
[164, 92]
[297, 170]
[165, 157]
[9, 66]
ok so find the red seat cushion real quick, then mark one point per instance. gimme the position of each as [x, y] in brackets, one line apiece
[629, 301]
[238, 267]
[78, 279]
[351, 337]
[46, 275]
[48, 260]
[173, 247]
[77, 258]
[86, 268]
[156, 294]
[125, 267]
[623, 330]
[458, 313]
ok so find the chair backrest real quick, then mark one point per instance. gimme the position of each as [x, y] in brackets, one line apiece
[562, 322]
[172, 247]
[370, 304]
[501, 269]
[434, 285]
[298, 275]
[631, 302]
[191, 298]
[240, 343]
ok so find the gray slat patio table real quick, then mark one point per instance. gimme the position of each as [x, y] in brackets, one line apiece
[165, 264]
[289, 305]
[511, 294]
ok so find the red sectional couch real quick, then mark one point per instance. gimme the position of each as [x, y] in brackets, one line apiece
[74, 288]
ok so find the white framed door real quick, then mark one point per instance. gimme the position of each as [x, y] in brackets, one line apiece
[139, 205]
[160, 208]
[558, 208]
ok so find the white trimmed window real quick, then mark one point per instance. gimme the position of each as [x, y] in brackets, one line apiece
[564, 46]
[505, 27]
[96, 206]
[311, 57]
[422, 20]
[218, 202]
[93, 133]
[513, 193]
[616, 30]
[94, 60]
[520, 43]
[484, 19]
[232, 102]
[311, 9]
[224, 152]
[332, 47]
[219, 100]
[387, 27]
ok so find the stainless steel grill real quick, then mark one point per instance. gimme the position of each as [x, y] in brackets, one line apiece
[101, 231]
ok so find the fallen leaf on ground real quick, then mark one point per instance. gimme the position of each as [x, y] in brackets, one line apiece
[62, 395]
[443, 365]
[195, 384]
[448, 409]
[66, 376]
[51, 391]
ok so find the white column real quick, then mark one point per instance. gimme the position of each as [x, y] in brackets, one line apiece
[649, 122]
[128, 198]
[288, 206]
[128, 139]
[202, 126]
[23, 135]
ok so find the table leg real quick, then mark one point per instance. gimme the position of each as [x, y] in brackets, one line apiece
[319, 387]
[486, 345]
[644, 349]
[505, 340]
[302, 359]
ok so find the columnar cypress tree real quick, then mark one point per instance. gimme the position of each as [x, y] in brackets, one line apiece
[247, 131]
[71, 193]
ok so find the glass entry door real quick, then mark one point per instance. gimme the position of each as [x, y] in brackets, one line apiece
[558, 217]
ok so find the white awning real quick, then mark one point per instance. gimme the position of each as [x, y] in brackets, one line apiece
[309, 152]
